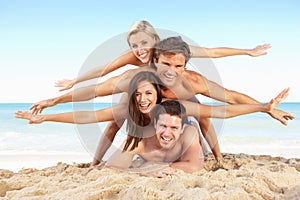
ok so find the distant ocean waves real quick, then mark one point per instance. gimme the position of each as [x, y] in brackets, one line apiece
[288, 148]
[260, 134]
[252, 134]
[18, 135]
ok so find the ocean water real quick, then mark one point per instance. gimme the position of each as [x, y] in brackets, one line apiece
[253, 134]
[258, 133]
[19, 135]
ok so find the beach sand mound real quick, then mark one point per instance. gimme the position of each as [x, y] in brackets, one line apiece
[238, 176]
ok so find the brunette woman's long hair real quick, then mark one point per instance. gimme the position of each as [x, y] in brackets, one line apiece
[136, 119]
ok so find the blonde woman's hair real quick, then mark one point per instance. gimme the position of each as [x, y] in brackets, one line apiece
[142, 26]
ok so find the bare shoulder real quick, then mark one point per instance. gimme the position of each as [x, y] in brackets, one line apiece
[192, 76]
[128, 57]
[189, 132]
[195, 80]
[189, 128]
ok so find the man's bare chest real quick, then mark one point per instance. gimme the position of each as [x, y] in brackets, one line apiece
[180, 92]
[161, 155]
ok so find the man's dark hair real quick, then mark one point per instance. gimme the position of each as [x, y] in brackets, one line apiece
[171, 46]
[171, 107]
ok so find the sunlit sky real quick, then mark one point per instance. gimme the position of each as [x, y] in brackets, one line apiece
[44, 41]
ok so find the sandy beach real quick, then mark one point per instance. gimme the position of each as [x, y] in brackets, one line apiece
[239, 176]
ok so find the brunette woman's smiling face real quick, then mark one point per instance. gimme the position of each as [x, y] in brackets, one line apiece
[146, 96]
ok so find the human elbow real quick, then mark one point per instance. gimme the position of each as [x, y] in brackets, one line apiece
[195, 167]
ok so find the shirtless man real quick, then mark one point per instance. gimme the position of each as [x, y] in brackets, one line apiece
[174, 142]
[170, 58]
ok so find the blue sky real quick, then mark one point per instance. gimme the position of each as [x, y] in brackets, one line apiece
[45, 41]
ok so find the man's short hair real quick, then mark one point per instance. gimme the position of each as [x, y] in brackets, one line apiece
[171, 107]
[172, 46]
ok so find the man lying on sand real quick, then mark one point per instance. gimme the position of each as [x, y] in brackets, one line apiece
[174, 142]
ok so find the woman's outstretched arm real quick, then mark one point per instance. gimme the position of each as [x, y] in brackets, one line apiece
[79, 117]
[125, 59]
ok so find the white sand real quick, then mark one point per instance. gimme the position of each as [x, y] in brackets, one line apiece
[239, 176]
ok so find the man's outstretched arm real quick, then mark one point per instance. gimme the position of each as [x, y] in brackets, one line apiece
[111, 86]
[219, 52]
[213, 90]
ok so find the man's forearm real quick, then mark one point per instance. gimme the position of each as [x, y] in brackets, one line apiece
[239, 98]
[216, 52]
[225, 51]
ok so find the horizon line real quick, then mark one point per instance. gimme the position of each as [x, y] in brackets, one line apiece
[115, 102]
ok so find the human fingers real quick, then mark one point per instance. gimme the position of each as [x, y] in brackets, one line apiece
[33, 106]
[62, 83]
[260, 50]
[265, 46]
[22, 114]
[18, 114]
[283, 121]
[34, 109]
[65, 88]
[58, 83]
[282, 95]
[40, 110]
[289, 117]
[37, 109]
[284, 118]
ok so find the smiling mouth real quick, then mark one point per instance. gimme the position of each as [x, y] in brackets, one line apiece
[168, 76]
[166, 139]
[143, 55]
[145, 106]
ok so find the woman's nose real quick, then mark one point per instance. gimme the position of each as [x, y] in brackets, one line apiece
[143, 97]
